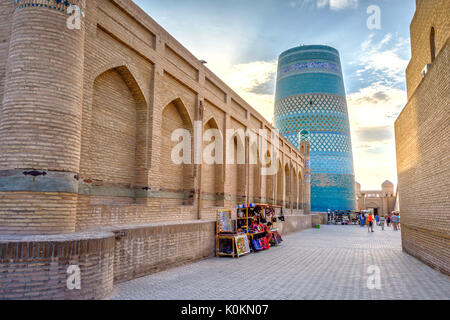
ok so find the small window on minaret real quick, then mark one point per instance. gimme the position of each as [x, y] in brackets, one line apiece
[433, 44]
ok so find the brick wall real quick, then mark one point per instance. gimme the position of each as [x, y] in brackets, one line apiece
[294, 223]
[422, 134]
[429, 14]
[35, 267]
[121, 92]
[6, 10]
[86, 118]
[146, 249]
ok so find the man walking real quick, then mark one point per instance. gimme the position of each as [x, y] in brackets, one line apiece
[370, 219]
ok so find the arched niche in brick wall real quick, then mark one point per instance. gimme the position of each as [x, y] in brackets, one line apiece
[236, 170]
[287, 185]
[433, 49]
[212, 173]
[300, 189]
[294, 189]
[280, 184]
[115, 153]
[270, 180]
[177, 181]
[255, 173]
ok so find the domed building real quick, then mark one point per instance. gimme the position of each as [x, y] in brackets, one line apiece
[381, 201]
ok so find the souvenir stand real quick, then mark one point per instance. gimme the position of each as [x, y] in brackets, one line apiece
[228, 242]
[233, 237]
[263, 213]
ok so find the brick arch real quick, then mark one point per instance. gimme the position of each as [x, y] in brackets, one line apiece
[238, 183]
[433, 47]
[301, 190]
[372, 205]
[177, 180]
[129, 71]
[212, 174]
[270, 182]
[287, 184]
[181, 104]
[294, 188]
[255, 174]
[280, 183]
[113, 145]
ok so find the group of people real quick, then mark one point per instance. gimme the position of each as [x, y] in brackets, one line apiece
[393, 218]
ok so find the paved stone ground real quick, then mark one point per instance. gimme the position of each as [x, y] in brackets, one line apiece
[329, 263]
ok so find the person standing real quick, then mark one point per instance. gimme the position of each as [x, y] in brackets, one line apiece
[377, 217]
[398, 221]
[382, 219]
[388, 220]
[370, 219]
[394, 221]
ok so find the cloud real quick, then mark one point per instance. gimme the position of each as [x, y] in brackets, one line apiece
[382, 60]
[373, 108]
[335, 5]
[372, 112]
[253, 81]
[372, 134]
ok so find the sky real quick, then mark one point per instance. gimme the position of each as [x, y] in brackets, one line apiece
[242, 39]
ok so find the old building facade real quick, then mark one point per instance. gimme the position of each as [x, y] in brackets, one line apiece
[86, 172]
[381, 201]
[422, 133]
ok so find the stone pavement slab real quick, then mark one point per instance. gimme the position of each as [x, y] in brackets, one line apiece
[327, 263]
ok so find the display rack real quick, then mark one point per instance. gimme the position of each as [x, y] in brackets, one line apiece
[228, 242]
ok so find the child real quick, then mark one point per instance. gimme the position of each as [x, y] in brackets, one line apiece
[382, 219]
[268, 231]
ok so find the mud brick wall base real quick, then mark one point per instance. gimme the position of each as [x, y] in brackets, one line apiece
[35, 267]
[145, 249]
[418, 241]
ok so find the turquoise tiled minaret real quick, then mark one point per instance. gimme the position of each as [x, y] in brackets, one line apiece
[310, 96]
